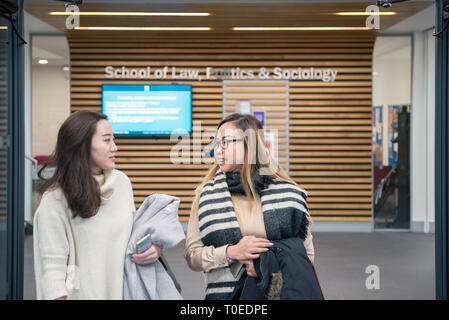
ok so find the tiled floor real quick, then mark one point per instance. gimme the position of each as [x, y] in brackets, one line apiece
[405, 260]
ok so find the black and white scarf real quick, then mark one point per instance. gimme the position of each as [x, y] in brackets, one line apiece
[285, 214]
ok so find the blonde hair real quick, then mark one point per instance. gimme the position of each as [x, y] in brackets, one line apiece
[264, 162]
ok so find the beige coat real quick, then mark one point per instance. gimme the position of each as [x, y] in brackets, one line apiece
[206, 258]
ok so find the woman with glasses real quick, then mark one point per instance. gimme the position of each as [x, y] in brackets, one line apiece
[244, 201]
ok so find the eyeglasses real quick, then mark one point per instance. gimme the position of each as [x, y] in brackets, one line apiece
[224, 143]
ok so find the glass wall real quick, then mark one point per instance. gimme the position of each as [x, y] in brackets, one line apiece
[4, 97]
[392, 72]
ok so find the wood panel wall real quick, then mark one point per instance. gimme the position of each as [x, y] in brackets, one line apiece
[270, 97]
[330, 123]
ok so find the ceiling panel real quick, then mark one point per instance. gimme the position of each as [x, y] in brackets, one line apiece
[225, 16]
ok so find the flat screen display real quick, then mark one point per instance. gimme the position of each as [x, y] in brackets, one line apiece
[148, 109]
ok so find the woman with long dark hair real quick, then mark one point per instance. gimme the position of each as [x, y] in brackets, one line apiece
[84, 221]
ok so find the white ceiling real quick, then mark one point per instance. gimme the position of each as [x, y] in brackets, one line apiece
[35, 25]
[421, 21]
[55, 49]
[46, 41]
[390, 47]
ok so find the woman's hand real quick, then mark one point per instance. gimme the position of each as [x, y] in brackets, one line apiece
[149, 256]
[250, 270]
[248, 248]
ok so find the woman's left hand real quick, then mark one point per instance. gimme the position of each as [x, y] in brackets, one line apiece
[151, 255]
[250, 270]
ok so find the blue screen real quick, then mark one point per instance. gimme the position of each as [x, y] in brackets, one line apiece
[148, 109]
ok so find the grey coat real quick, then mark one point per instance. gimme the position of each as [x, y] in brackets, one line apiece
[158, 215]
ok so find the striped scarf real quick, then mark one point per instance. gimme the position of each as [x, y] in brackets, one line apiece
[284, 212]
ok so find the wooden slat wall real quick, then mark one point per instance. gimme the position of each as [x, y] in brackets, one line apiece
[268, 96]
[330, 123]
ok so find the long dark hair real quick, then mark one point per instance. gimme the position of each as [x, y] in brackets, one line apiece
[72, 162]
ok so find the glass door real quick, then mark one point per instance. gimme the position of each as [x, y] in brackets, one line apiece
[4, 155]
[11, 151]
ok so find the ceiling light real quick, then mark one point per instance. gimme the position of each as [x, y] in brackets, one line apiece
[146, 28]
[195, 14]
[43, 61]
[367, 13]
[297, 28]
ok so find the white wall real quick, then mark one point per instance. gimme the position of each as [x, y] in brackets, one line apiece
[429, 219]
[27, 122]
[50, 106]
[392, 71]
[422, 144]
[31, 25]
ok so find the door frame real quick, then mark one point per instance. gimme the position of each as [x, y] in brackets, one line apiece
[16, 160]
[441, 156]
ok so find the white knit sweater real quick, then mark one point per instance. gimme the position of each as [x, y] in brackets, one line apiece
[83, 258]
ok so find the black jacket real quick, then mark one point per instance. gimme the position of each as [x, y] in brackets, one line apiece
[283, 272]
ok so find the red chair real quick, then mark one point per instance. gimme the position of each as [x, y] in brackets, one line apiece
[41, 159]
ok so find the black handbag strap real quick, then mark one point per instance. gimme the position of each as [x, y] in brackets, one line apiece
[316, 276]
[166, 266]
